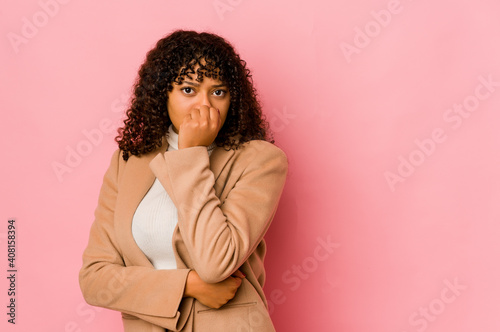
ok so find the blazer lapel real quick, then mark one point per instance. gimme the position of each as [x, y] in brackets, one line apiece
[134, 183]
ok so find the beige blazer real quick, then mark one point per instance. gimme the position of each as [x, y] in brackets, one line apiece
[225, 204]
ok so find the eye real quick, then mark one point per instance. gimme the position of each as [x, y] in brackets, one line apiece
[187, 90]
[220, 93]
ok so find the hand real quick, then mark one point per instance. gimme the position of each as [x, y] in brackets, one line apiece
[213, 295]
[199, 127]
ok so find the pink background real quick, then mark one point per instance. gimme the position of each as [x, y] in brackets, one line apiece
[382, 107]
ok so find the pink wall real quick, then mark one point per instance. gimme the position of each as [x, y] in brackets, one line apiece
[388, 111]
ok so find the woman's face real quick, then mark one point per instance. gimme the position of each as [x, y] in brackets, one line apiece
[192, 94]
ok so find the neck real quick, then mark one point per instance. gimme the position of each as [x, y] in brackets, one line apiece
[173, 138]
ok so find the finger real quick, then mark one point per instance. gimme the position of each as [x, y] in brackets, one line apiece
[185, 120]
[195, 114]
[215, 119]
[205, 115]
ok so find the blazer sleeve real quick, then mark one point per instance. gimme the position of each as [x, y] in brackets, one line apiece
[150, 294]
[220, 236]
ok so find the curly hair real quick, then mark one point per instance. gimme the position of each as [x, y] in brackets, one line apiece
[172, 59]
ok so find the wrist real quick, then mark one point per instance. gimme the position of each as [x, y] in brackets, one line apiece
[192, 284]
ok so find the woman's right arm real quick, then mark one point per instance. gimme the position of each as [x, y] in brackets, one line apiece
[150, 294]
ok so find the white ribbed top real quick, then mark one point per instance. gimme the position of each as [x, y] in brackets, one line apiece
[155, 219]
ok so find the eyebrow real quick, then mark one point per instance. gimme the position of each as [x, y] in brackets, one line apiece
[197, 84]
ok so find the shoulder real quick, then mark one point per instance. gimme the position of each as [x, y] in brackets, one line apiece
[117, 159]
[260, 152]
[260, 147]
[116, 164]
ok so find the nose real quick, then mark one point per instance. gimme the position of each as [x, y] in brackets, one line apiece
[204, 99]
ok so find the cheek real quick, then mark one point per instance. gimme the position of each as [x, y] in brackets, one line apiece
[174, 108]
[182, 105]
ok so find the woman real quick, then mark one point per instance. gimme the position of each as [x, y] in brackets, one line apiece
[177, 241]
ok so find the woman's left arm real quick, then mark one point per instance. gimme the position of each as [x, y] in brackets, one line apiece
[220, 236]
